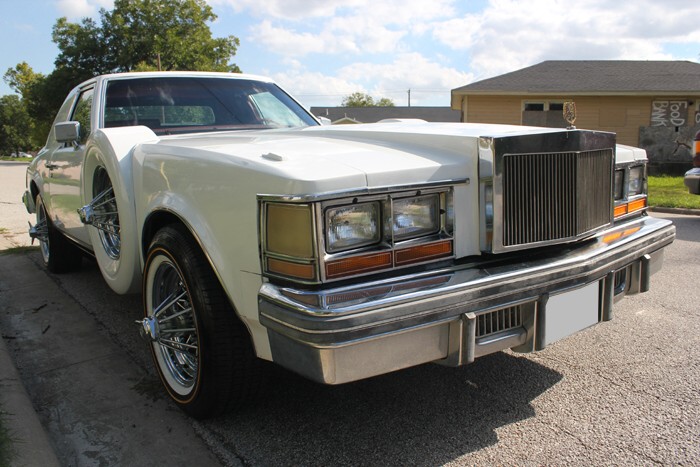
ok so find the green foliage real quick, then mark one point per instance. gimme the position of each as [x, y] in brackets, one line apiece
[41, 96]
[15, 126]
[137, 35]
[361, 99]
[670, 192]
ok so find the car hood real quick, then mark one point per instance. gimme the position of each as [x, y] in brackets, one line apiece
[352, 156]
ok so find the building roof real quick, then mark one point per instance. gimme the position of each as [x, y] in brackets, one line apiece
[600, 77]
[375, 114]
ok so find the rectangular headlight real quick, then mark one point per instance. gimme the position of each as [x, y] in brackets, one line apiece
[352, 226]
[619, 187]
[635, 186]
[415, 217]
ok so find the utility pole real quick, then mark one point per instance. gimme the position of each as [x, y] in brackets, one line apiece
[409, 97]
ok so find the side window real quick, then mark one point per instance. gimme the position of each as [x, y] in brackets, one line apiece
[82, 112]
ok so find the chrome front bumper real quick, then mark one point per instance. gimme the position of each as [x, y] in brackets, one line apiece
[692, 180]
[343, 334]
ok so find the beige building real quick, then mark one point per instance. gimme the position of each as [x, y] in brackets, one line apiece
[651, 104]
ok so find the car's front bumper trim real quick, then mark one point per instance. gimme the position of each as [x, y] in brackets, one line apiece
[692, 180]
[342, 334]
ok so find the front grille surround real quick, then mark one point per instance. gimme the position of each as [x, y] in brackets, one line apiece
[545, 189]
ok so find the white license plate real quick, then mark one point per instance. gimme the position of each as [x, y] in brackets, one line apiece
[570, 312]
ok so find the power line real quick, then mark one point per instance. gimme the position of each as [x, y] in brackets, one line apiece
[387, 91]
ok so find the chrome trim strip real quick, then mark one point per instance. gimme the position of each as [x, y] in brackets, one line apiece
[307, 198]
[469, 288]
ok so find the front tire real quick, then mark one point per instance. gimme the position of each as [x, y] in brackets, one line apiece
[201, 350]
[58, 254]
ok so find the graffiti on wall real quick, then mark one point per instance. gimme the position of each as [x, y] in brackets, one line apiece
[670, 113]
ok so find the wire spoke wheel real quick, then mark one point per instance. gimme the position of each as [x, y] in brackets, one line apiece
[105, 216]
[202, 352]
[42, 229]
[171, 326]
[58, 254]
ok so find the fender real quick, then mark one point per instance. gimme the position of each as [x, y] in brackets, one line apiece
[112, 149]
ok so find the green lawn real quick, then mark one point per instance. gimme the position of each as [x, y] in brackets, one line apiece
[670, 192]
[15, 159]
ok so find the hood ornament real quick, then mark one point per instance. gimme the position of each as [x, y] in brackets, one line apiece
[570, 114]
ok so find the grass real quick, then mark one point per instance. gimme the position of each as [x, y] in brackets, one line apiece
[15, 159]
[19, 249]
[670, 192]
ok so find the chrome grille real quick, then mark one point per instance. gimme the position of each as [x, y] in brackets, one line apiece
[555, 196]
[499, 320]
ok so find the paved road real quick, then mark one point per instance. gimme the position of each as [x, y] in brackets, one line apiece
[622, 393]
[13, 215]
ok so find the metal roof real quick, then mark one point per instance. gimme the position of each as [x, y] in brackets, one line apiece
[594, 77]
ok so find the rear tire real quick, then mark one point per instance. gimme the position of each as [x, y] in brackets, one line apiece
[201, 350]
[57, 252]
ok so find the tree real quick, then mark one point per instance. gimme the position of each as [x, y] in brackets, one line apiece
[15, 126]
[144, 34]
[137, 35]
[385, 102]
[361, 99]
[38, 100]
[41, 97]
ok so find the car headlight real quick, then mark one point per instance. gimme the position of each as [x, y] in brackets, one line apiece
[635, 185]
[415, 217]
[353, 226]
[619, 187]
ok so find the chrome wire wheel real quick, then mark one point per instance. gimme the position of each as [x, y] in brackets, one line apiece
[203, 353]
[105, 216]
[42, 230]
[171, 325]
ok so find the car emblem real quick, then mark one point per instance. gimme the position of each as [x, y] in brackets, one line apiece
[570, 114]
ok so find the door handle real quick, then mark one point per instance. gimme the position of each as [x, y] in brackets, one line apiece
[51, 166]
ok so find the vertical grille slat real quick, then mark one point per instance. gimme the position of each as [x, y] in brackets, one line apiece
[555, 196]
[499, 320]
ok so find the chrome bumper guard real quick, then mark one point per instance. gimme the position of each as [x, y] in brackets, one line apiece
[454, 315]
[692, 180]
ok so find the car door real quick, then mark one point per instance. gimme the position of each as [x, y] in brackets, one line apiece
[65, 167]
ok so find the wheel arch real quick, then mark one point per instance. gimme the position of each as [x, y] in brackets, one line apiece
[160, 218]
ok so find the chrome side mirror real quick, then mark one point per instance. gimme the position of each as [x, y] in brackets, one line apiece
[67, 132]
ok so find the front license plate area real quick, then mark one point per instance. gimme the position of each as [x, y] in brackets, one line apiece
[570, 312]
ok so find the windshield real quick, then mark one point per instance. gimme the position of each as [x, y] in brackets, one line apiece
[170, 105]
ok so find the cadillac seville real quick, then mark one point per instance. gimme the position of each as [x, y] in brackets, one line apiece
[338, 252]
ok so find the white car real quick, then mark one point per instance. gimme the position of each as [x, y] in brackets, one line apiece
[692, 176]
[341, 252]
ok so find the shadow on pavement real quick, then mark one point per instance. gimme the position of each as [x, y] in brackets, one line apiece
[427, 415]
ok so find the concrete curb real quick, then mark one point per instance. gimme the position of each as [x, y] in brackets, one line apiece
[687, 212]
[30, 443]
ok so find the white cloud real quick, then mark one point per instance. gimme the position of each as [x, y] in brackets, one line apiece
[387, 10]
[430, 82]
[77, 9]
[314, 88]
[300, 27]
[510, 34]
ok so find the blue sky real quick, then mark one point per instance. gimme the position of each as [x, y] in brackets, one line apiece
[322, 50]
